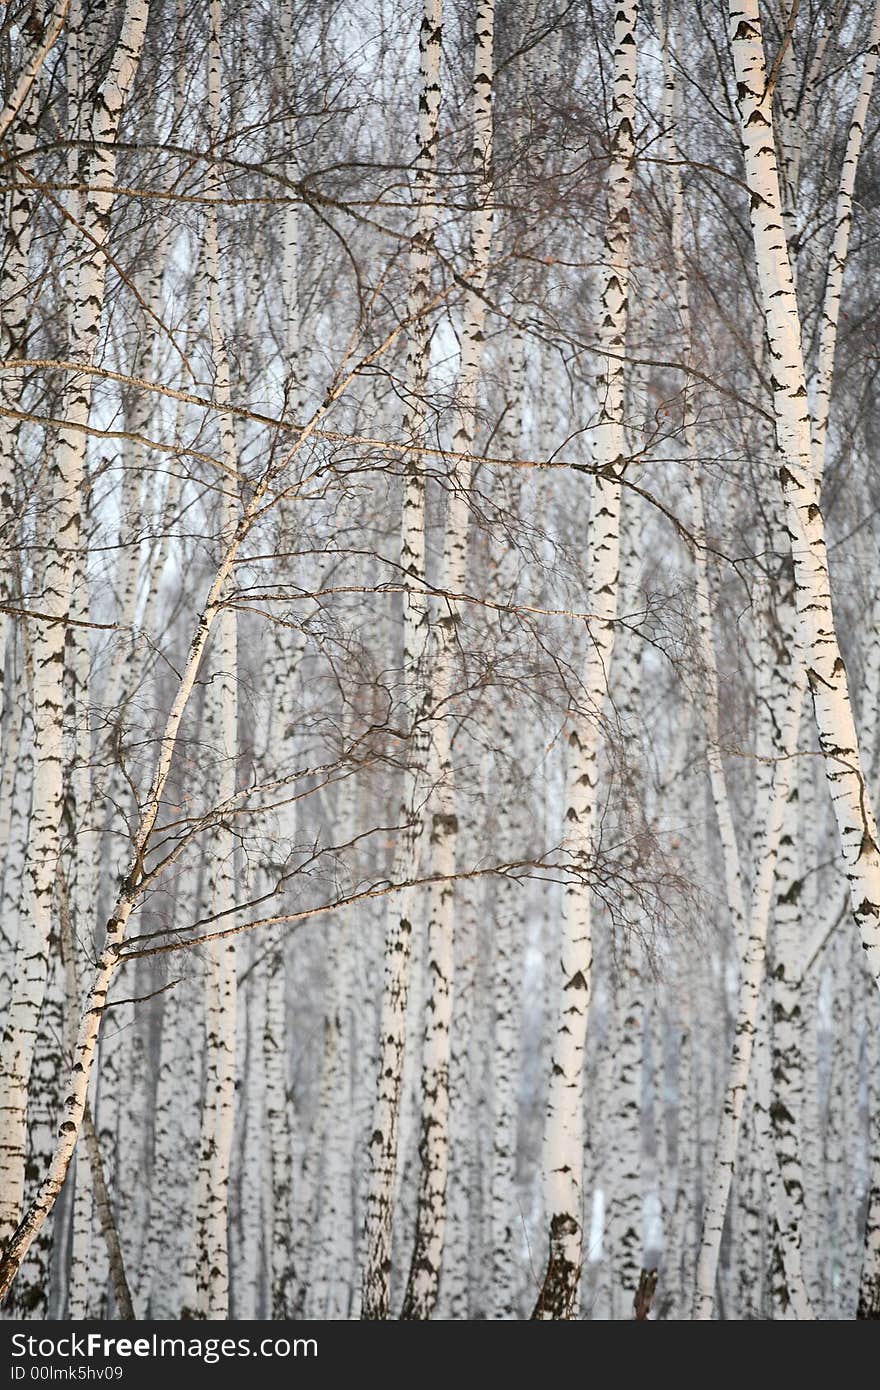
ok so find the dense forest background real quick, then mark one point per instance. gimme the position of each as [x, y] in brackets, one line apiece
[440, 655]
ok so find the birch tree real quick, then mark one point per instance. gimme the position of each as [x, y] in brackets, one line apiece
[87, 294]
[825, 670]
[425, 884]
[392, 1026]
[563, 1142]
[424, 1281]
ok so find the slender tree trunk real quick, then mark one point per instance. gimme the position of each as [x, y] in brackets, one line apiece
[563, 1139]
[67, 467]
[392, 1026]
[424, 1280]
[212, 1264]
[508, 938]
[825, 669]
[627, 987]
[826, 672]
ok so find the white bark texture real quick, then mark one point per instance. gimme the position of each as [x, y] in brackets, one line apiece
[816, 634]
[392, 1025]
[826, 672]
[564, 1134]
[66, 474]
[424, 1280]
[221, 728]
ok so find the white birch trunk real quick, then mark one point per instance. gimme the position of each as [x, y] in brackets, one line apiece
[832, 708]
[626, 1004]
[564, 1130]
[392, 1025]
[249, 1285]
[508, 938]
[278, 1194]
[67, 467]
[212, 1265]
[424, 1280]
[785, 1113]
[826, 673]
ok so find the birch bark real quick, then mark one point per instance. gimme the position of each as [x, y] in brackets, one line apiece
[826, 672]
[816, 630]
[212, 1263]
[564, 1136]
[67, 466]
[392, 1025]
[424, 1280]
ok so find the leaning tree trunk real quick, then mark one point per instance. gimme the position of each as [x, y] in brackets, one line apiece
[825, 672]
[838, 740]
[135, 878]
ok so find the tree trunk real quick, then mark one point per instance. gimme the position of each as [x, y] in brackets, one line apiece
[563, 1135]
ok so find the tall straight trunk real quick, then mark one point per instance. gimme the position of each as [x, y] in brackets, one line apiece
[748, 1237]
[869, 1278]
[30, 1296]
[836, 1193]
[789, 1282]
[424, 1279]
[508, 937]
[811, 1133]
[96, 1186]
[13, 899]
[284, 1245]
[564, 1127]
[395, 989]
[679, 1224]
[248, 1255]
[788, 1070]
[627, 988]
[132, 1156]
[212, 1264]
[278, 1186]
[278, 1194]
